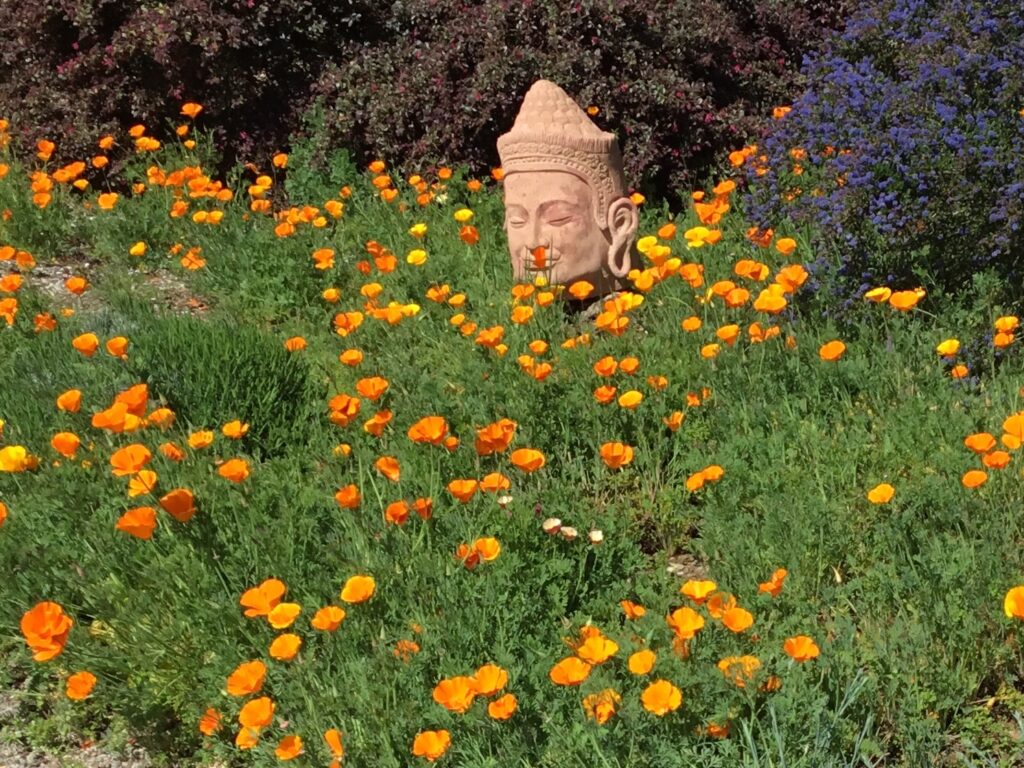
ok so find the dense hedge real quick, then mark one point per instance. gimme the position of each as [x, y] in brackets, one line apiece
[904, 153]
[418, 81]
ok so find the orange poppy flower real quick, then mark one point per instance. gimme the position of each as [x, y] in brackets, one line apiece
[631, 609]
[881, 494]
[247, 678]
[739, 670]
[258, 713]
[494, 482]
[737, 619]
[389, 467]
[698, 591]
[831, 351]
[801, 648]
[503, 707]
[333, 738]
[80, 685]
[289, 748]
[719, 603]
[455, 694]
[597, 649]
[247, 738]
[261, 600]
[606, 366]
[974, 478]
[235, 470]
[904, 300]
[489, 679]
[210, 722]
[661, 697]
[774, 584]
[600, 706]
[980, 442]
[348, 497]
[65, 443]
[463, 490]
[139, 522]
[283, 615]
[569, 671]
[642, 662]
[45, 628]
[285, 647]
[996, 460]
[142, 483]
[429, 429]
[431, 745]
[358, 589]
[86, 343]
[527, 459]
[328, 619]
[70, 401]
[616, 455]
[685, 622]
[1013, 603]
[375, 425]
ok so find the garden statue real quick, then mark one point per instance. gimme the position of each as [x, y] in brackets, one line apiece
[567, 214]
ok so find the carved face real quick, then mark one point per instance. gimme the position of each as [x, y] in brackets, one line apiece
[554, 210]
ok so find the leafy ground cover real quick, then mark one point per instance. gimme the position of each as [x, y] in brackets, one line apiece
[372, 504]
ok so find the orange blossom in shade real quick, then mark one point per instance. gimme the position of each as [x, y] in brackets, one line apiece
[698, 591]
[70, 401]
[642, 662]
[831, 351]
[737, 619]
[600, 706]
[235, 430]
[1013, 603]
[285, 647]
[632, 610]
[974, 478]
[247, 738]
[130, 459]
[489, 679]
[65, 443]
[527, 459]
[139, 522]
[569, 671]
[235, 470]
[774, 584]
[431, 745]
[80, 685]
[801, 648]
[3, 513]
[389, 467]
[179, 504]
[210, 722]
[261, 600]
[881, 494]
[257, 713]
[289, 748]
[45, 628]
[616, 455]
[661, 697]
[247, 678]
[455, 694]
[488, 548]
[328, 619]
[348, 497]
[358, 589]
[739, 669]
[685, 622]
[503, 707]
[429, 429]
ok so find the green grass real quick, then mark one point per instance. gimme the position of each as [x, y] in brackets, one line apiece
[918, 664]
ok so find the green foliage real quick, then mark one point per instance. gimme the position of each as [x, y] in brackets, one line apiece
[215, 371]
[903, 599]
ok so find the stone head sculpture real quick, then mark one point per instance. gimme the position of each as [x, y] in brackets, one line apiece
[567, 214]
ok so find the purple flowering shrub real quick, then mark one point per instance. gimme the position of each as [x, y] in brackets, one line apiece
[904, 158]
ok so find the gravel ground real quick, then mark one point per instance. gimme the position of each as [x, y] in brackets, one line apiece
[17, 756]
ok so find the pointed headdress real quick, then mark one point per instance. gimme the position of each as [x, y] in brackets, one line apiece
[552, 133]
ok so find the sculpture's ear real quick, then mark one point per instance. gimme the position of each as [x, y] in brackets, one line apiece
[623, 222]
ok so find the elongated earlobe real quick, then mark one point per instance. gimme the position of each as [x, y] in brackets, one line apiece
[623, 222]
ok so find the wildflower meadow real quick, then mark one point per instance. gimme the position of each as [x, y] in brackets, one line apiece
[293, 472]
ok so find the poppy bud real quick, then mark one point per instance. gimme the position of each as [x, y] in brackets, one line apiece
[596, 537]
[551, 526]
[504, 501]
[569, 533]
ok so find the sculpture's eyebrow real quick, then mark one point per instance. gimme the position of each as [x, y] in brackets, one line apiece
[545, 207]
[517, 208]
